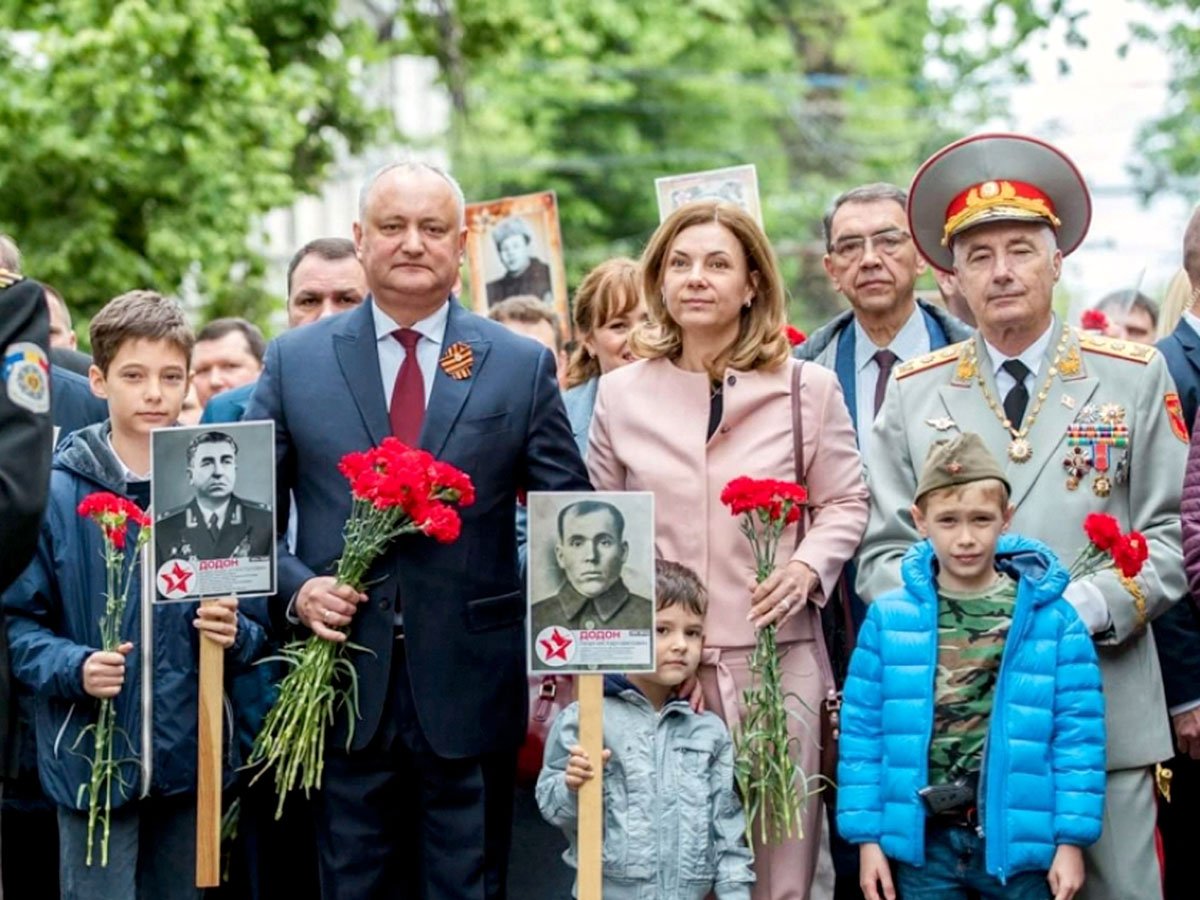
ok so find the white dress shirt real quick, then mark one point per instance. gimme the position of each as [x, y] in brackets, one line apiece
[392, 353]
[1032, 356]
[912, 340]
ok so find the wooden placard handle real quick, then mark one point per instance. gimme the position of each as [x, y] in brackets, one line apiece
[208, 763]
[591, 794]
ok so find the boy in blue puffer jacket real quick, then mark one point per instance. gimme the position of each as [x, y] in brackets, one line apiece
[141, 344]
[972, 744]
[673, 826]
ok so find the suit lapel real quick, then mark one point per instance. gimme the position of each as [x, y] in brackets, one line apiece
[1190, 342]
[358, 358]
[449, 394]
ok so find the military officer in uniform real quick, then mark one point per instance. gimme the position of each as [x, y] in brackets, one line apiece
[591, 551]
[1084, 423]
[215, 524]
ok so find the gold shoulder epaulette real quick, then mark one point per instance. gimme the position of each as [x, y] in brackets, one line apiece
[928, 361]
[1106, 346]
[9, 278]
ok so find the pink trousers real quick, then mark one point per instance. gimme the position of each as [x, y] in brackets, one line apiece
[784, 871]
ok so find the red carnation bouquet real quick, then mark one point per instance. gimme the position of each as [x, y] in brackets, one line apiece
[396, 490]
[1107, 546]
[113, 514]
[774, 789]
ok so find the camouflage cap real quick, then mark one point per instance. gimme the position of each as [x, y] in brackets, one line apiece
[959, 460]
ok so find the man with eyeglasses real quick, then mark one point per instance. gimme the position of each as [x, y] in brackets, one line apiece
[872, 261]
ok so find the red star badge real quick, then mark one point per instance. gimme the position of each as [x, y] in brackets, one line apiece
[556, 646]
[174, 579]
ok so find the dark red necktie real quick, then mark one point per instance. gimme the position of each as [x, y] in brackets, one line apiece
[408, 395]
[885, 360]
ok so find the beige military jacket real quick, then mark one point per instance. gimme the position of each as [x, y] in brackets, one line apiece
[1087, 389]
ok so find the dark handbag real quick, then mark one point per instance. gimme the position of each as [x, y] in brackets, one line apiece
[548, 696]
[831, 706]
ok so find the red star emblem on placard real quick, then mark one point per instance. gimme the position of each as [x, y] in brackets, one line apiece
[556, 646]
[175, 579]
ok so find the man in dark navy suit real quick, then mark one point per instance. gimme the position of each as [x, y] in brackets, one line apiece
[420, 805]
[1177, 631]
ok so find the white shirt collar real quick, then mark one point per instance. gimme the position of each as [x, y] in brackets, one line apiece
[127, 472]
[432, 326]
[1032, 355]
[910, 340]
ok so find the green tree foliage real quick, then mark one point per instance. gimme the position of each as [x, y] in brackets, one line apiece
[1170, 143]
[596, 98]
[140, 140]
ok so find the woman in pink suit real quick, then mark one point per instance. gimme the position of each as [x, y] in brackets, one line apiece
[709, 401]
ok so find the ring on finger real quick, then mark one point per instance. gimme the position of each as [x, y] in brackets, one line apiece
[784, 605]
[326, 614]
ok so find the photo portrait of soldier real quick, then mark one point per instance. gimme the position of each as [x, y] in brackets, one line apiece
[216, 523]
[524, 273]
[590, 554]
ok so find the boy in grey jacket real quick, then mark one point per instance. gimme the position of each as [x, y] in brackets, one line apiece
[673, 825]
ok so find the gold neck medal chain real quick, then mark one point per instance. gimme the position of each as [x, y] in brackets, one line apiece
[1019, 448]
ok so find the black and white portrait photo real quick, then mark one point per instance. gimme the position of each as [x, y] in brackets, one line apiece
[591, 593]
[212, 492]
[736, 184]
[514, 249]
[525, 275]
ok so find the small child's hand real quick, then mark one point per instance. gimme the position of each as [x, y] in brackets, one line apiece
[104, 672]
[1066, 872]
[217, 621]
[874, 873]
[579, 768]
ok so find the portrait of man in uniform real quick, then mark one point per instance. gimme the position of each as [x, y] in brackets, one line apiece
[590, 553]
[216, 523]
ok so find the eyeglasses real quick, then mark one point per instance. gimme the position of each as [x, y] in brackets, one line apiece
[889, 243]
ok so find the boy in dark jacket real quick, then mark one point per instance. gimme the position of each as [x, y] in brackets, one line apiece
[142, 344]
[972, 746]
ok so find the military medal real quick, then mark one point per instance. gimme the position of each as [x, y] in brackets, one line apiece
[1097, 437]
[1019, 448]
[457, 361]
[1078, 463]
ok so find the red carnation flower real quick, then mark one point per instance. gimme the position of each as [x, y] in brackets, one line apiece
[1130, 553]
[1094, 320]
[795, 336]
[1102, 530]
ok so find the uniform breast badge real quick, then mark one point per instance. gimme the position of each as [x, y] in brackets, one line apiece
[945, 423]
[1101, 438]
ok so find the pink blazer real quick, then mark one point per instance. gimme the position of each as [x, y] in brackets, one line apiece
[649, 434]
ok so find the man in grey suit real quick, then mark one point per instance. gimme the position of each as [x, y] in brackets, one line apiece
[1086, 424]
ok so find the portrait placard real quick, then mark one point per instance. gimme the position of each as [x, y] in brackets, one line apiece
[591, 582]
[514, 249]
[736, 184]
[212, 490]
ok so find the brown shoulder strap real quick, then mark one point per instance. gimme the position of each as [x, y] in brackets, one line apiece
[798, 443]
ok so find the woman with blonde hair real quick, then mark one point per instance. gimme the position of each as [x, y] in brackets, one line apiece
[710, 401]
[608, 306]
